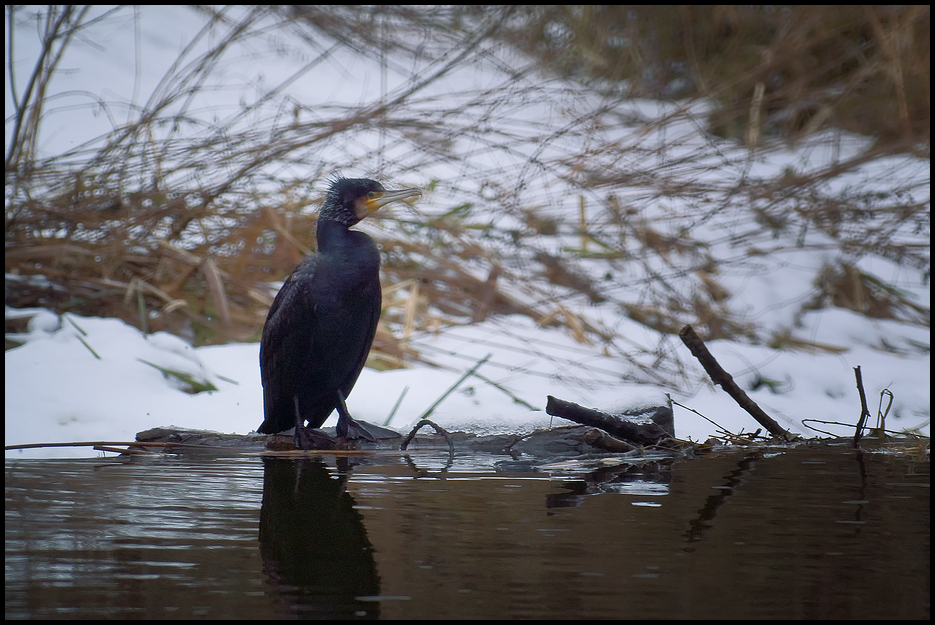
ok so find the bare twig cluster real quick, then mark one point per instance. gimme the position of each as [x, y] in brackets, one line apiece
[178, 216]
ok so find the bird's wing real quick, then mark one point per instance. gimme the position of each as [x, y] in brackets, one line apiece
[373, 321]
[286, 341]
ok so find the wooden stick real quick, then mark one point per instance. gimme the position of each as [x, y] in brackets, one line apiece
[639, 433]
[438, 428]
[864, 410]
[726, 382]
[86, 444]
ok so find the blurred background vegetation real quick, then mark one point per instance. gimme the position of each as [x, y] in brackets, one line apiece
[174, 224]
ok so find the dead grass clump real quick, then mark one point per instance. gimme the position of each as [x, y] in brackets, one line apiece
[845, 286]
[784, 71]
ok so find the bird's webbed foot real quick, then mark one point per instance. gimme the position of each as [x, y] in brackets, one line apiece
[312, 438]
[348, 427]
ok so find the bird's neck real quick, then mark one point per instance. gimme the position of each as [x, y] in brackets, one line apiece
[334, 234]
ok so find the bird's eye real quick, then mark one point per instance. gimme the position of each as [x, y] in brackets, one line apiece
[371, 195]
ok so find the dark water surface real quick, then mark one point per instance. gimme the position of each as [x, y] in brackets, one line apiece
[801, 533]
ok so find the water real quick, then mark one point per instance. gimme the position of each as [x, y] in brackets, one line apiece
[803, 533]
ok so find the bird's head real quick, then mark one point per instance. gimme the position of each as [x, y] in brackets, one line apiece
[351, 199]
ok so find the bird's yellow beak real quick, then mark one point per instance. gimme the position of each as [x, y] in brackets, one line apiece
[376, 200]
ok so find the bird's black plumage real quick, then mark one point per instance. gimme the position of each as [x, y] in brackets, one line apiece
[321, 325]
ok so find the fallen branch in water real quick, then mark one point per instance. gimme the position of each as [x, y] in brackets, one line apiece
[438, 428]
[726, 382]
[637, 433]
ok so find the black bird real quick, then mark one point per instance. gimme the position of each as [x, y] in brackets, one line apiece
[321, 325]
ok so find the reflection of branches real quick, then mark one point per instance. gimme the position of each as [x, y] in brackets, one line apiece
[703, 522]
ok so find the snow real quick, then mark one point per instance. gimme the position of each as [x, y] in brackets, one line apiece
[84, 379]
[59, 391]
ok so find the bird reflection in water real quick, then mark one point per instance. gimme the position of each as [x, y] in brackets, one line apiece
[316, 554]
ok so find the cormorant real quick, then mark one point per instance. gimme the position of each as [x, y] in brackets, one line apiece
[321, 325]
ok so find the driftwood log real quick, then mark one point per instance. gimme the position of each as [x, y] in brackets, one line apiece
[557, 441]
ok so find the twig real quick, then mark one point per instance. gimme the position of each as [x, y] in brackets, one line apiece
[726, 382]
[881, 414]
[438, 428]
[129, 451]
[715, 424]
[133, 446]
[94, 444]
[864, 410]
